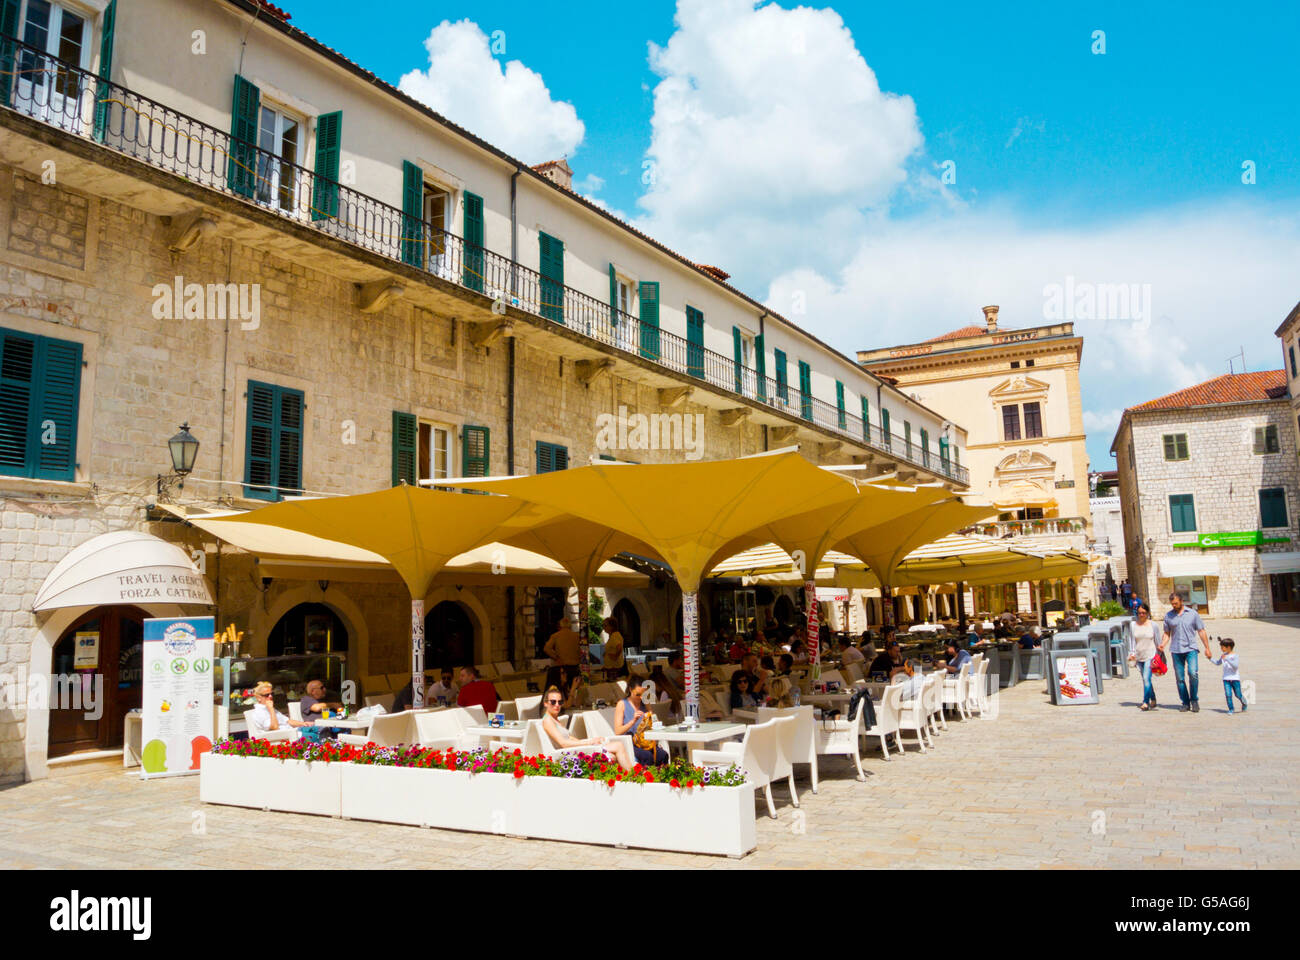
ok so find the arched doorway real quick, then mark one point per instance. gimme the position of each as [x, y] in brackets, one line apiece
[309, 630]
[548, 611]
[448, 636]
[97, 674]
[629, 623]
[784, 611]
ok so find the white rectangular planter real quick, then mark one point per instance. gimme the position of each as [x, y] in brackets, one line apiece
[713, 820]
[267, 784]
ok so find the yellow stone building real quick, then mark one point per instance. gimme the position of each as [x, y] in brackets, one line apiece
[1016, 391]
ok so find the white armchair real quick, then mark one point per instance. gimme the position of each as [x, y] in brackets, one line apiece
[445, 729]
[977, 688]
[933, 696]
[528, 708]
[803, 748]
[955, 691]
[600, 723]
[758, 754]
[283, 733]
[839, 737]
[886, 724]
[911, 715]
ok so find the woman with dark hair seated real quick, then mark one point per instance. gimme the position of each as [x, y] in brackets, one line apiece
[741, 698]
[633, 720]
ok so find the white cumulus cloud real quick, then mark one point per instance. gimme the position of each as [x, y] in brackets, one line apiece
[770, 137]
[509, 107]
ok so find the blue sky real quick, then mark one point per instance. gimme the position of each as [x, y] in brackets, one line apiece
[1122, 167]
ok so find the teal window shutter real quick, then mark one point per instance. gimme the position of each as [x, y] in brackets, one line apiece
[839, 406]
[738, 344]
[866, 420]
[551, 254]
[40, 392]
[886, 438]
[1182, 513]
[925, 447]
[648, 293]
[475, 454]
[907, 437]
[613, 297]
[472, 273]
[241, 176]
[413, 214]
[782, 376]
[107, 28]
[760, 358]
[694, 342]
[8, 31]
[273, 446]
[805, 391]
[325, 185]
[406, 434]
[1272, 507]
[551, 457]
[944, 459]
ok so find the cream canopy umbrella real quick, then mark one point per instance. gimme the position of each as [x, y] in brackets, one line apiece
[417, 531]
[685, 511]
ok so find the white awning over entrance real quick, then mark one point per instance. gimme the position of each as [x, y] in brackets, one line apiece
[128, 566]
[1195, 564]
[1286, 562]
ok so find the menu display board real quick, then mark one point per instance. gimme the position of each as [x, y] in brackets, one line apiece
[176, 720]
[1072, 677]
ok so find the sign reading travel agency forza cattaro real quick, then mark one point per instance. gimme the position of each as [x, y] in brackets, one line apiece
[176, 721]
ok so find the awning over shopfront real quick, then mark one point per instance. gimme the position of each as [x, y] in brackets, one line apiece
[129, 567]
[1285, 562]
[1196, 565]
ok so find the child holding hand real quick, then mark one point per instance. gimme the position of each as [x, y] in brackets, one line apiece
[1231, 671]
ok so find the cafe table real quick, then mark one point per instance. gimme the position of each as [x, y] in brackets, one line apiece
[695, 737]
[350, 723]
[513, 730]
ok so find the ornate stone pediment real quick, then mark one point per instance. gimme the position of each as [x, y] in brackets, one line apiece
[1026, 461]
[1019, 387]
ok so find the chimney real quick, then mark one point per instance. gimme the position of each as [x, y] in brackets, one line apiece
[991, 318]
[558, 171]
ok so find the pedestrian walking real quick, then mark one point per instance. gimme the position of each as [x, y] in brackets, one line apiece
[1147, 635]
[1231, 671]
[1126, 593]
[1183, 626]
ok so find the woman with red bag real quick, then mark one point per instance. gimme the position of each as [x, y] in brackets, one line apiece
[1146, 652]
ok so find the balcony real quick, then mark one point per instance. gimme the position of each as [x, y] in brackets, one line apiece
[1047, 527]
[61, 95]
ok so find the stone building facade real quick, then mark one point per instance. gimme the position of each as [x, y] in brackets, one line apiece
[1208, 488]
[348, 340]
[1289, 335]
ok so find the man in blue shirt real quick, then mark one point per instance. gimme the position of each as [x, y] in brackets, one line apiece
[1182, 626]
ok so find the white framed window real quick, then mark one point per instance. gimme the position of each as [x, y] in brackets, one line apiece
[438, 216]
[626, 294]
[46, 89]
[437, 454]
[281, 136]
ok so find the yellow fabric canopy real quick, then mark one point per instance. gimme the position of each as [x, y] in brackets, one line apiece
[885, 546]
[685, 511]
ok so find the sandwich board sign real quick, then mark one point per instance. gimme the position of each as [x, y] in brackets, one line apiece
[1072, 676]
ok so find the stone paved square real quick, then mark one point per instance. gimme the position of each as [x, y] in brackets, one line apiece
[1103, 786]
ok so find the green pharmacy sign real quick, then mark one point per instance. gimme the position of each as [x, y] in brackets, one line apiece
[1237, 538]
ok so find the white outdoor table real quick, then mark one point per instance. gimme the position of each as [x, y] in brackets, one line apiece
[350, 723]
[513, 730]
[696, 737]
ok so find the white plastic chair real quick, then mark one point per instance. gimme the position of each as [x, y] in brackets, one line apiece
[528, 708]
[538, 743]
[934, 703]
[977, 689]
[295, 710]
[384, 700]
[504, 668]
[600, 723]
[388, 730]
[444, 729]
[886, 724]
[758, 754]
[804, 745]
[839, 737]
[955, 691]
[486, 671]
[477, 715]
[911, 715]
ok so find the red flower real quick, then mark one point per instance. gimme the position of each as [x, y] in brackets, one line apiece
[673, 783]
[638, 768]
[518, 752]
[649, 777]
[519, 773]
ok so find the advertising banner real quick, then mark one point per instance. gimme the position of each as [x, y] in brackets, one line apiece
[176, 721]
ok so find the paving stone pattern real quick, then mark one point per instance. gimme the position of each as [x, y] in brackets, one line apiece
[1035, 786]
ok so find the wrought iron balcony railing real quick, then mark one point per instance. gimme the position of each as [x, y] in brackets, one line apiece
[1046, 527]
[59, 93]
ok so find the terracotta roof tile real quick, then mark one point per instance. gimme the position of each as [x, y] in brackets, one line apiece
[971, 331]
[1229, 388]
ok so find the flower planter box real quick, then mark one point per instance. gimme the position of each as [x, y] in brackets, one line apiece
[712, 820]
[295, 786]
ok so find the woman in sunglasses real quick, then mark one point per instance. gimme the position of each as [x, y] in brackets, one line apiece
[552, 704]
[632, 718]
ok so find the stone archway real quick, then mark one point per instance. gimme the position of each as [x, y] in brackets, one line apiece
[478, 616]
[261, 623]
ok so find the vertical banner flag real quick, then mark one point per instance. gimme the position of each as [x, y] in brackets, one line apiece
[814, 630]
[417, 654]
[691, 654]
[176, 721]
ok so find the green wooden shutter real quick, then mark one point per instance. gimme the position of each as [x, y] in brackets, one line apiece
[242, 174]
[925, 447]
[472, 274]
[56, 415]
[107, 28]
[943, 454]
[413, 214]
[406, 441]
[866, 420]
[907, 437]
[259, 445]
[738, 345]
[886, 438]
[694, 342]
[475, 453]
[805, 391]
[8, 33]
[839, 405]
[288, 448]
[18, 376]
[613, 297]
[782, 376]
[1272, 507]
[649, 296]
[325, 186]
[760, 361]
[551, 257]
